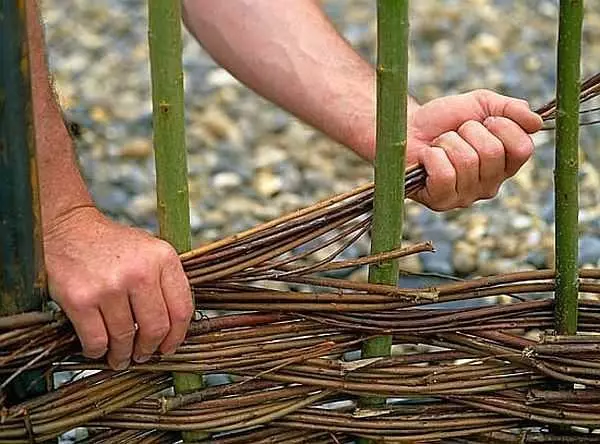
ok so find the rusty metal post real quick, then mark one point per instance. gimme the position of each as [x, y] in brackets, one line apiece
[22, 275]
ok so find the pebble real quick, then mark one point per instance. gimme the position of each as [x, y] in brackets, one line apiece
[411, 264]
[137, 149]
[464, 258]
[266, 183]
[226, 180]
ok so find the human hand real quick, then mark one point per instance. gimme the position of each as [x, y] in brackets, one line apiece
[469, 144]
[107, 276]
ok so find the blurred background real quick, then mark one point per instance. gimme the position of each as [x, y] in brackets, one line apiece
[250, 161]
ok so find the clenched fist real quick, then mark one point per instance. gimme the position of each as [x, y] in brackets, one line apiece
[107, 278]
[469, 144]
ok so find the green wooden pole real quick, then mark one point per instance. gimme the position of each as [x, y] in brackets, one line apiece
[392, 86]
[565, 174]
[22, 276]
[164, 38]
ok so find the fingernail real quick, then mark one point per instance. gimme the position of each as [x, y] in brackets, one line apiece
[142, 358]
[170, 351]
[122, 365]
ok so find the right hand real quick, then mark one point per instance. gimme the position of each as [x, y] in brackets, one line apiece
[469, 144]
[106, 277]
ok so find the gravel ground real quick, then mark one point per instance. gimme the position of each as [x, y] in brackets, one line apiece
[250, 161]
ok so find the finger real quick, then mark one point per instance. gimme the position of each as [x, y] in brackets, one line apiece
[517, 143]
[121, 330]
[178, 297]
[514, 109]
[150, 313]
[90, 329]
[440, 191]
[450, 113]
[465, 161]
[491, 155]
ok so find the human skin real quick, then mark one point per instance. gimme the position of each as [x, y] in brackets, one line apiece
[107, 277]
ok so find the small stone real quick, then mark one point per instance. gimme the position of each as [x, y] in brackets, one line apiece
[477, 227]
[268, 155]
[497, 266]
[137, 149]
[215, 219]
[142, 208]
[410, 264]
[99, 114]
[226, 180]
[464, 258]
[485, 47]
[537, 259]
[109, 198]
[220, 125]
[267, 184]
[508, 245]
[360, 275]
[220, 77]
[521, 222]
[196, 222]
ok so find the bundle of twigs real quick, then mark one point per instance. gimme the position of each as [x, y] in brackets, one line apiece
[480, 373]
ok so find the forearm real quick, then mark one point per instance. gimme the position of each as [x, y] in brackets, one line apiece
[290, 53]
[61, 185]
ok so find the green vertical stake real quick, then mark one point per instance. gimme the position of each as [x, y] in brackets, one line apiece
[392, 86]
[165, 42]
[565, 174]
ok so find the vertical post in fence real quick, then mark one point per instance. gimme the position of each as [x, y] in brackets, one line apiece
[165, 44]
[565, 174]
[392, 86]
[22, 275]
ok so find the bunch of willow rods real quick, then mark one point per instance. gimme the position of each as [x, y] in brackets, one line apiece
[481, 373]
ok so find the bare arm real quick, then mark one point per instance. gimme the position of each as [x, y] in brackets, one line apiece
[103, 275]
[57, 166]
[289, 52]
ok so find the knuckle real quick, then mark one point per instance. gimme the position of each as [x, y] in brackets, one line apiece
[495, 148]
[470, 160]
[526, 148]
[446, 180]
[483, 94]
[468, 126]
[114, 288]
[81, 299]
[166, 251]
[183, 312]
[139, 272]
[446, 138]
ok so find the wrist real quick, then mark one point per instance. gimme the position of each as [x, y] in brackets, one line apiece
[362, 137]
[74, 215]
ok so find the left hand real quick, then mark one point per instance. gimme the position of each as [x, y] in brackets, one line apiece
[469, 144]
